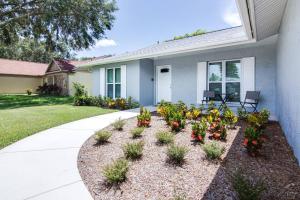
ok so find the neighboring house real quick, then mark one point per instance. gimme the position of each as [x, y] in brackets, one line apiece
[262, 54]
[18, 76]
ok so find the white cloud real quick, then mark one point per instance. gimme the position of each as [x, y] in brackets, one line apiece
[105, 43]
[231, 15]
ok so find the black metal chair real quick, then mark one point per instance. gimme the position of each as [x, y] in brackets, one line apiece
[252, 99]
[208, 96]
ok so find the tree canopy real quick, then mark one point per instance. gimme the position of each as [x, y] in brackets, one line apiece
[34, 51]
[56, 25]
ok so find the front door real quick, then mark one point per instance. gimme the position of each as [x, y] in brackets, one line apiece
[163, 74]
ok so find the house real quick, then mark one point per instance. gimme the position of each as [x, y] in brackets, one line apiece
[261, 55]
[18, 76]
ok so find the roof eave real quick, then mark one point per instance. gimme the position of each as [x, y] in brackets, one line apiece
[229, 43]
[246, 12]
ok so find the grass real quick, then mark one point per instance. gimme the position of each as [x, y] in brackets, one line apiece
[133, 150]
[246, 189]
[118, 124]
[176, 154]
[22, 116]
[116, 172]
[137, 132]
[213, 150]
[102, 136]
[164, 137]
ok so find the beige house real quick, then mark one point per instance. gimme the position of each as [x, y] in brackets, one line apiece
[18, 76]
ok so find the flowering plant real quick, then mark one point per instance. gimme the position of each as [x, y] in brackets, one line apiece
[177, 121]
[199, 130]
[230, 118]
[144, 118]
[193, 113]
[253, 140]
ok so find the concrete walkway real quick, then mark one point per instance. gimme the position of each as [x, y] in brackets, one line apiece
[44, 165]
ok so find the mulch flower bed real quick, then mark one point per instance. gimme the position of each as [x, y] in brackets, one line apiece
[152, 177]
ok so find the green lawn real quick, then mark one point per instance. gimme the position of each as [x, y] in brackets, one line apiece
[21, 115]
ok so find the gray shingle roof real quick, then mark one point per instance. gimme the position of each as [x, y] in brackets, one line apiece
[196, 43]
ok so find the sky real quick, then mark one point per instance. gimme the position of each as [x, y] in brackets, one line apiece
[140, 23]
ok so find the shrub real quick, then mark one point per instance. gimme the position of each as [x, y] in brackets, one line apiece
[246, 189]
[177, 121]
[259, 120]
[46, 89]
[80, 95]
[164, 137]
[218, 129]
[242, 114]
[102, 136]
[176, 154]
[133, 150]
[253, 140]
[144, 118]
[116, 172]
[193, 113]
[230, 118]
[199, 130]
[119, 124]
[121, 103]
[211, 106]
[137, 132]
[131, 103]
[213, 150]
[29, 91]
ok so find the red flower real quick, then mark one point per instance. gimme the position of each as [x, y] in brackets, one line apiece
[254, 142]
[193, 136]
[175, 124]
[245, 141]
[200, 137]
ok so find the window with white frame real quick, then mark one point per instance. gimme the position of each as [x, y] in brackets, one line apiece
[113, 82]
[224, 77]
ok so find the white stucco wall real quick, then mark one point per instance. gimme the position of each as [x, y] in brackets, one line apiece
[85, 78]
[288, 73]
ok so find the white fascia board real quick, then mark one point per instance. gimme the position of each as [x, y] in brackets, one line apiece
[247, 23]
[228, 43]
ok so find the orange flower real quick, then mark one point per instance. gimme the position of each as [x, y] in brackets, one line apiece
[245, 142]
[254, 142]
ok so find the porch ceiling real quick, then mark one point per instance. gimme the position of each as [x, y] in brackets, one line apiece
[267, 16]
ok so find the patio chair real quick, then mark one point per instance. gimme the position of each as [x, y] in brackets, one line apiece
[252, 99]
[208, 96]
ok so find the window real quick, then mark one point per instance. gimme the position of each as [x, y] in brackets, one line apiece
[224, 77]
[113, 82]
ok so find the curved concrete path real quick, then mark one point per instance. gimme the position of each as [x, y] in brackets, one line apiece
[44, 166]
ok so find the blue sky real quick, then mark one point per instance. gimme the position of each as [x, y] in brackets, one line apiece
[140, 23]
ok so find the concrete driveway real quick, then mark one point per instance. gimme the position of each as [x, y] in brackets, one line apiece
[44, 165]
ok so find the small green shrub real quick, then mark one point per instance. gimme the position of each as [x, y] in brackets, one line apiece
[29, 91]
[116, 172]
[246, 189]
[213, 150]
[133, 150]
[164, 137]
[176, 154]
[118, 124]
[102, 136]
[137, 132]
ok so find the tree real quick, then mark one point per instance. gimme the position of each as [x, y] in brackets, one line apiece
[34, 51]
[77, 24]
